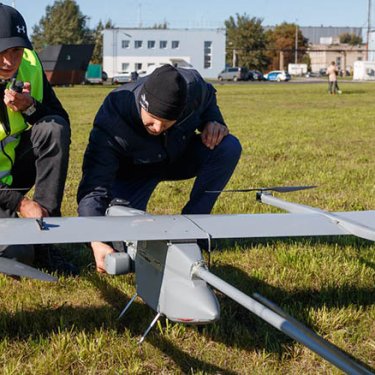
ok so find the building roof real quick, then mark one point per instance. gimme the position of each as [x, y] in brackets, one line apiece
[314, 33]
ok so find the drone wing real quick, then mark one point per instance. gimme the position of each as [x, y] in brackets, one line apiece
[288, 225]
[179, 227]
[104, 228]
[14, 268]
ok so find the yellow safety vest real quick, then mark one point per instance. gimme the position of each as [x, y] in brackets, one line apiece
[31, 71]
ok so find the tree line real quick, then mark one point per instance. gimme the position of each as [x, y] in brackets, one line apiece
[248, 42]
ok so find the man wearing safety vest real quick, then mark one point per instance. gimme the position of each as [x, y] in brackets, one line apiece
[34, 138]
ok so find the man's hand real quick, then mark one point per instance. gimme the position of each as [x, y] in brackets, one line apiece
[213, 133]
[31, 209]
[19, 102]
[100, 251]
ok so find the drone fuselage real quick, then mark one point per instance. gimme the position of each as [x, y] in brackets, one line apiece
[164, 276]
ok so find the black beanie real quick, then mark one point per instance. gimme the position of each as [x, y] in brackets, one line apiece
[164, 93]
[13, 31]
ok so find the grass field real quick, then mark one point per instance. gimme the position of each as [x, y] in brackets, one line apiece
[291, 135]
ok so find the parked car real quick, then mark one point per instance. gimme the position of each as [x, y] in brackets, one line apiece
[121, 78]
[341, 73]
[322, 72]
[312, 74]
[233, 74]
[254, 75]
[277, 75]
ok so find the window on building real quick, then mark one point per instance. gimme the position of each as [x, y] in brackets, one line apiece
[125, 67]
[151, 44]
[359, 58]
[125, 43]
[175, 44]
[138, 44]
[138, 66]
[207, 54]
[163, 44]
[338, 62]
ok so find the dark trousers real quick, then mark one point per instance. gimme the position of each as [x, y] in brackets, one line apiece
[333, 87]
[41, 161]
[212, 169]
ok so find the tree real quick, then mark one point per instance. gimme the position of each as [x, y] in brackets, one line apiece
[97, 36]
[281, 41]
[63, 24]
[350, 38]
[163, 25]
[246, 42]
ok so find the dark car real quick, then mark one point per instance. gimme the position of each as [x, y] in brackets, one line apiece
[322, 72]
[255, 75]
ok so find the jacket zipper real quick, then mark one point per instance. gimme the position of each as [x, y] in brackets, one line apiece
[165, 140]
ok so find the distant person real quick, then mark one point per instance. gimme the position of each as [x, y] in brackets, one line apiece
[165, 126]
[34, 139]
[134, 76]
[332, 73]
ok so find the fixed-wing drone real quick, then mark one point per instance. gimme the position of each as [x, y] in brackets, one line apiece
[171, 274]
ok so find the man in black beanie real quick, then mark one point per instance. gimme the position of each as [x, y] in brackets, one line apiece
[34, 139]
[163, 127]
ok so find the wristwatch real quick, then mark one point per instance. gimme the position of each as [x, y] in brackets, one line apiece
[30, 110]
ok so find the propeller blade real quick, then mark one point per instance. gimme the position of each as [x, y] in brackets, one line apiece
[286, 189]
[278, 189]
[12, 267]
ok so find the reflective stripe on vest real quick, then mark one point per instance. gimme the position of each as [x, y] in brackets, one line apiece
[4, 174]
[7, 140]
[31, 71]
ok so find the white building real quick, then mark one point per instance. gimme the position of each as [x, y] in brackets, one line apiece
[129, 50]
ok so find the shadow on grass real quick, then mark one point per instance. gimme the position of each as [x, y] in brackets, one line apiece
[353, 92]
[313, 241]
[237, 328]
[41, 323]
[295, 304]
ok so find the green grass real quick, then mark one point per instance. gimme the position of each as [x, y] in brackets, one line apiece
[291, 134]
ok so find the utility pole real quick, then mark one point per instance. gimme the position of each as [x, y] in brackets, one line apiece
[140, 23]
[368, 27]
[234, 58]
[296, 46]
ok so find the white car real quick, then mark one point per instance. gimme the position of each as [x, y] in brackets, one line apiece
[121, 78]
[277, 75]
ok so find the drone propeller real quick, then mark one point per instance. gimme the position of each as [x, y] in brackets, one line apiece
[278, 189]
[13, 268]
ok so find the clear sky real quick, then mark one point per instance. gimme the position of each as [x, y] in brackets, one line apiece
[209, 13]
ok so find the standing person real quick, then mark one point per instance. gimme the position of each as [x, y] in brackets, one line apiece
[166, 126]
[332, 73]
[34, 138]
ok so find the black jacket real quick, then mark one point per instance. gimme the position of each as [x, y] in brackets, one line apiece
[50, 105]
[119, 139]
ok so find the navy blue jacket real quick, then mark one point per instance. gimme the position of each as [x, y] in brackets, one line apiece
[120, 140]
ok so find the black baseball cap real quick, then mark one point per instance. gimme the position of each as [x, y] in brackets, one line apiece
[13, 31]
